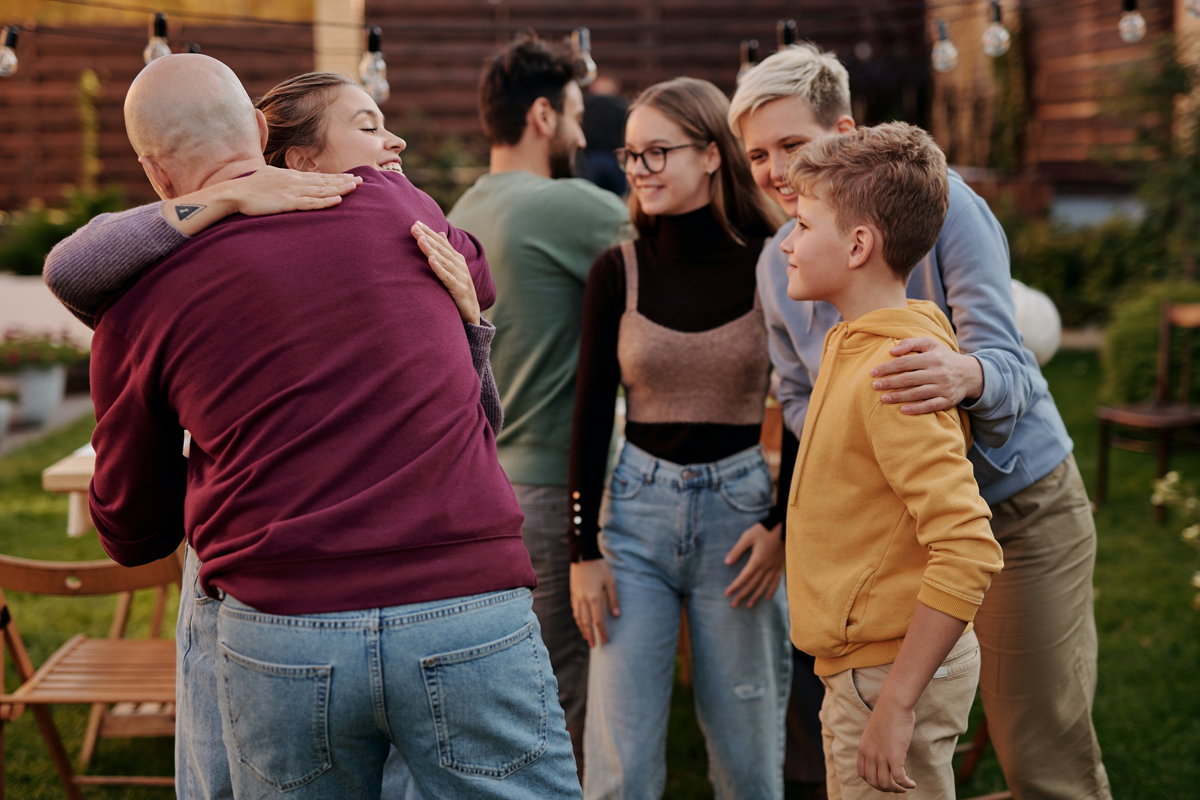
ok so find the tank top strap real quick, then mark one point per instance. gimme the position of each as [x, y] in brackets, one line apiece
[631, 274]
[757, 298]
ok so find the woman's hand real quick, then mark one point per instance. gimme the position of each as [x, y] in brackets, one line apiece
[929, 376]
[268, 191]
[593, 588]
[760, 577]
[449, 265]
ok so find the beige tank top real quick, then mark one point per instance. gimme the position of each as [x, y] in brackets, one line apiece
[715, 376]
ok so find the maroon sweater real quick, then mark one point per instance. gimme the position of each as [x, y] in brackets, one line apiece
[340, 457]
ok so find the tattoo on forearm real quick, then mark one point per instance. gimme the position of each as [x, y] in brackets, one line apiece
[183, 212]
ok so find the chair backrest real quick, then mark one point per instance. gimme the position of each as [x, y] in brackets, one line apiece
[85, 577]
[1187, 317]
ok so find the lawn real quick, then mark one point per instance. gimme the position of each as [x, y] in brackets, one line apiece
[1147, 707]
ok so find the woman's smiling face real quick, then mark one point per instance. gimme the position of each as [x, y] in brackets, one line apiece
[774, 131]
[355, 136]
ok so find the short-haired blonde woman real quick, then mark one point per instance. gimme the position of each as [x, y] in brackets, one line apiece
[1036, 629]
[675, 318]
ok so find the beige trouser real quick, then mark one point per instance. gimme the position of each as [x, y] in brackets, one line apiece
[941, 713]
[1037, 636]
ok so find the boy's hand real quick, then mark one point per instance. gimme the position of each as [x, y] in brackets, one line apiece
[929, 376]
[883, 748]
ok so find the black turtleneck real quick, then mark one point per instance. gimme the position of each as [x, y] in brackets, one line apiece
[692, 276]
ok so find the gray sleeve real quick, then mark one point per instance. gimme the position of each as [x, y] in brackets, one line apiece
[480, 338]
[100, 260]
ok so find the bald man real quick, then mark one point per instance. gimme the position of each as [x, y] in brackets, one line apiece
[343, 494]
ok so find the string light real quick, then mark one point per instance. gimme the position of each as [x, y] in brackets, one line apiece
[945, 54]
[1132, 26]
[372, 70]
[8, 52]
[785, 33]
[749, 57]
[157, 47]
[996, 39]
[581, 40]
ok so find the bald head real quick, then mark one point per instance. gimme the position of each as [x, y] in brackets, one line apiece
[189, 112]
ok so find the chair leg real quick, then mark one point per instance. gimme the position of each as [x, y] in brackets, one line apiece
[974, 753]
[2, 773]
[1102, 462]
[92, 734]
[1164, 466]
[58, 754]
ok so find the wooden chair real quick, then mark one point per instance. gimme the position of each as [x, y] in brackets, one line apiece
[1158, 419]
[126, 672]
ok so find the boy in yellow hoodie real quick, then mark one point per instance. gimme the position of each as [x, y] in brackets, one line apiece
[889, 550]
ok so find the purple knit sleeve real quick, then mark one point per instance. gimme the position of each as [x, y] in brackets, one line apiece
[102, 259]
[480, 338]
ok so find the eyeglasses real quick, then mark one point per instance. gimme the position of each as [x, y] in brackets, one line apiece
[654, 159]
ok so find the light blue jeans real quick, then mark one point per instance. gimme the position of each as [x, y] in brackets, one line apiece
[310, 704]
[201, 763]
[667, 529]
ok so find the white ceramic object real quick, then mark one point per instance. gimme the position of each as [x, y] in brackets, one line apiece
[42, 390]
[1038, 321]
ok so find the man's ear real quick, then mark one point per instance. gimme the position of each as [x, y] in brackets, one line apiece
[542, 118]
[300, 159]
[263, 130]
[158, 177]
[862, 244]
[844, 124]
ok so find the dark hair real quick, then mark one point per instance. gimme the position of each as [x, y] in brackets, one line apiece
[700, 109]
[295, 112]
[514, 78]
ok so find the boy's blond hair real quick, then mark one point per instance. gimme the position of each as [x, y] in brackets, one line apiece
[892, 176]
[801, 70]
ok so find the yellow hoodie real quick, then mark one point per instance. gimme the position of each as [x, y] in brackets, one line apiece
[884, 509]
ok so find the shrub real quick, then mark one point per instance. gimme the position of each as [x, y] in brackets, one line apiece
[28, 239]
[20, 349]
[1130, 355]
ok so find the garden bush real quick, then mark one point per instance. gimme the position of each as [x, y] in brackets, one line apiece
[1130, 355]
[28, 238]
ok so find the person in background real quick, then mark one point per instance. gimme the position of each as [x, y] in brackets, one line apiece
[541, 229]
[1036, 628]
[675, 319]
[604, 111]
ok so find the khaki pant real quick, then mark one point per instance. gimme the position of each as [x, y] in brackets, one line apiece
[941, 714]
[1037, 636]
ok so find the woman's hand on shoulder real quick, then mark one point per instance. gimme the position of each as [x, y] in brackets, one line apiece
[451, 268]
[268, 191]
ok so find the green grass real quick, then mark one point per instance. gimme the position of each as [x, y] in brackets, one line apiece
[1147, 708]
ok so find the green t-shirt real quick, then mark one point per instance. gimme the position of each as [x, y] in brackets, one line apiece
[540, 237]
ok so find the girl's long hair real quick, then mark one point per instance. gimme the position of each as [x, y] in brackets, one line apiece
[295, 112]
[701, 109]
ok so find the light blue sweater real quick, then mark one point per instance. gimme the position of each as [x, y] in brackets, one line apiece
[1019, 435]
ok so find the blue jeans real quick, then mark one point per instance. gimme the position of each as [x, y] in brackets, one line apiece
[310, 704]
[201, 764]
[667, 529]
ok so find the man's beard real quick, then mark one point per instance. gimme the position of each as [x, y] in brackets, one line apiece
[562, 159]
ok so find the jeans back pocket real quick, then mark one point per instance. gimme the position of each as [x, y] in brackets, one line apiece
[279, 715]
[489, 705]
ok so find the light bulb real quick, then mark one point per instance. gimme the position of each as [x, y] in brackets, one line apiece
[749, 56]
[996, 39]
[785, 33]
[1193, 8]
[372, 69]
[1132, 26]
[581, 39]
[945, 54]
[157, 47]
[8, 53]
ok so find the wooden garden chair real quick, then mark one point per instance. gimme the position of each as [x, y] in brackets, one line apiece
[133, 675]
[1151, 426]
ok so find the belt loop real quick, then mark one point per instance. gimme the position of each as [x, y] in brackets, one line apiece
[653, 469]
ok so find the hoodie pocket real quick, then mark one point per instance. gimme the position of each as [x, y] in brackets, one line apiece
[856, 606]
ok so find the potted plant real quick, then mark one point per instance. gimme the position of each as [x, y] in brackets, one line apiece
[38, 363]
[8, 401]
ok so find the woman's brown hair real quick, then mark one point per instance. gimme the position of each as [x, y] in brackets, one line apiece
[295, 112]
[701, 109]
